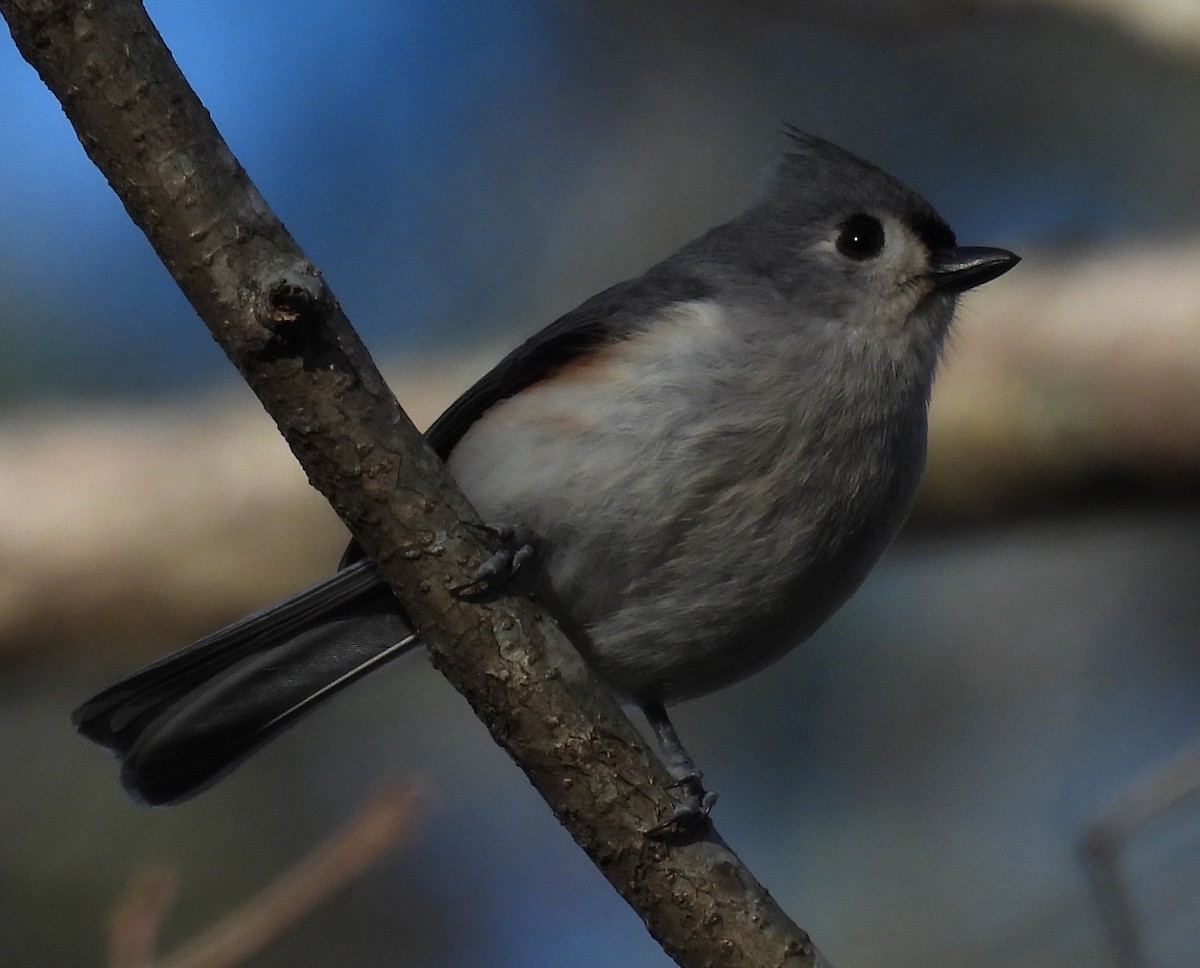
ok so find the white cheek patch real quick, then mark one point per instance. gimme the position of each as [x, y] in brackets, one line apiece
[894, 286]
[907, 256]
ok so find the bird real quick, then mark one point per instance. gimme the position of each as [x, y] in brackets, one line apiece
[691, 471]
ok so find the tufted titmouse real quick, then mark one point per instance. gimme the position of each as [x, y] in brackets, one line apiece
[705, 462]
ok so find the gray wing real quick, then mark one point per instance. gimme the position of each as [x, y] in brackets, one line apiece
[607, 317]
[181, 723]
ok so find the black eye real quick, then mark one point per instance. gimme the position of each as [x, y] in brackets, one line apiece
[861, 237]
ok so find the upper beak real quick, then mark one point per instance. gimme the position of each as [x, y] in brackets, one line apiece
[965, 267]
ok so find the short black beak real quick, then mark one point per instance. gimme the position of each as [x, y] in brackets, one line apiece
[966, 267]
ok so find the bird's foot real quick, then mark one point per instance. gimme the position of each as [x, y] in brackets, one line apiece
[691, 809]
[497, 571]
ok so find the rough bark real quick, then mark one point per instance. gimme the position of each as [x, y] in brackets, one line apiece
[271, 311]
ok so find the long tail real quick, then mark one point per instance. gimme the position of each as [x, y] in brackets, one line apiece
[181, 723]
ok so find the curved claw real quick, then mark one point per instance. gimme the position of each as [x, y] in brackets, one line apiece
[498, 570]
[697, 802]
[689, 813]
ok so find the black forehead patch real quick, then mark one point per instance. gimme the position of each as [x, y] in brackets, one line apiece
[931, 230]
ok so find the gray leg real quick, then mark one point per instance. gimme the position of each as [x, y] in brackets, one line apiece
[696, 802]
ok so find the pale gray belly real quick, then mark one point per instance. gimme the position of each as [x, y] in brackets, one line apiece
[687, 556]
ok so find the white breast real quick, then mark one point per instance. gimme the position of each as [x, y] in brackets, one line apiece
[685, 499]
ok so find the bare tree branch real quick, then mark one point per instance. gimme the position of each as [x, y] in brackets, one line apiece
[1081, 377]
[270, 310]
[379, 826]
[1104, 838]
[137, 920]
[1077, 380]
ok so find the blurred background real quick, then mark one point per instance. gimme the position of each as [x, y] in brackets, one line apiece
[914, 784]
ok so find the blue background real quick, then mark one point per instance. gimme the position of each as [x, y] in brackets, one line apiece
[912, 784]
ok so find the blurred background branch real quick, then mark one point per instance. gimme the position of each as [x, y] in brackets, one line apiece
[134, 927]
[1029, 649]
[1077, 382]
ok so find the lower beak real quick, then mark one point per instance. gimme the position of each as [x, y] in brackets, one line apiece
[966, 267]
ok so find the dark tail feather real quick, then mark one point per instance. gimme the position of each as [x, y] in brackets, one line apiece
[183, 722]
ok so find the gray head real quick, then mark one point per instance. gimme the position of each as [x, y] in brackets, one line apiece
[842, 239]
